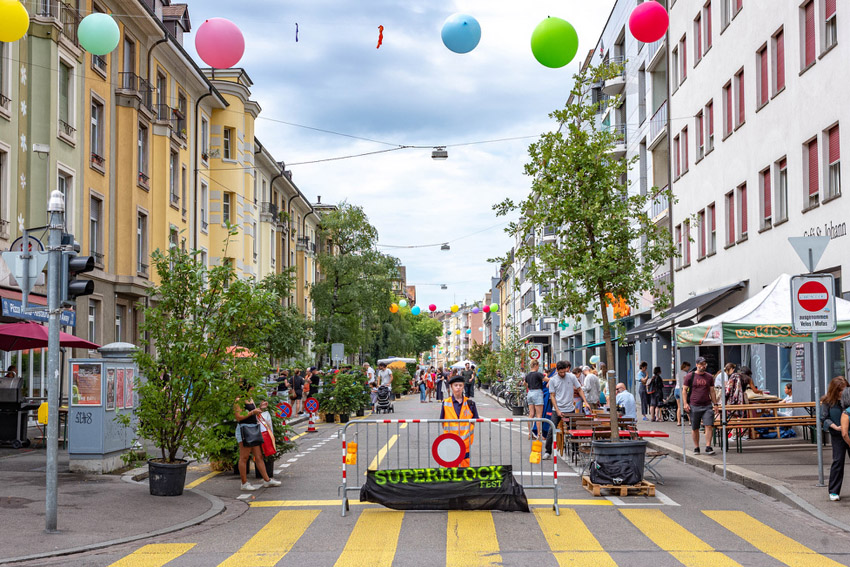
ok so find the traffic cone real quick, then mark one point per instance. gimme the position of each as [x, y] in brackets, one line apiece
[311, 428]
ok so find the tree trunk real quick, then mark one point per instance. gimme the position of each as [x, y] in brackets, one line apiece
[610, 378]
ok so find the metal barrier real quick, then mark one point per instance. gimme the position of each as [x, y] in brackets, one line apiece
[407, 443]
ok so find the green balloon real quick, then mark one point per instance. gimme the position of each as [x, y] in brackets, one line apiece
[402, 303]
[99, 34]
[554, 42]
[494, 307]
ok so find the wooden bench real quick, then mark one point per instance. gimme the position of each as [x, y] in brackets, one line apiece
[740, 417]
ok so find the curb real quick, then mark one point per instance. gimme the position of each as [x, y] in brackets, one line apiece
[752, 480]
[216, 508]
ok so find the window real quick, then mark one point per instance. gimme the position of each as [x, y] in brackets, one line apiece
[728, 11]
[781, 190]
[727, 109]
[683, 50]
[833, 189]
[701, 243]
[173, 237]
[65, 185]
[741, 108]
[678, 233]
[204, 220]
[254, 240]
[778, 61]
[173, 179]
[142, 154]
[205, 139]
[183, 181]
[265, 196]
[162, 95]
[97, 127]
[4, 77]
[811, 180]
[766, 199]
[66, 100]
[685, 150]
[808, 39]
[709, 128]
[227, 149]
[678, 157]
[706, 17]
[142, 244]
[712, 229]
[730, 218]
[93, 309]
[830, 36]
[129, 62]
[698, 38]
[674, 68]
[700, 128]
[119, 323]
[742, 211]
[763, 83]
[225, 207]
[686, 241]
[95, 229]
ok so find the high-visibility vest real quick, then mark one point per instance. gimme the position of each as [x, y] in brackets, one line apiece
[465, 430]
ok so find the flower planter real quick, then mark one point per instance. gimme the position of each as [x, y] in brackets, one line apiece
[167, 479]
[343, 417]
[608, 452]
[330, 417]
[269, 462]
[361, 412]
[518, 410]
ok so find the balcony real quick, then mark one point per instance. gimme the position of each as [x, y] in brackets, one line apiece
[618, 131]
[655, 55]
[549, 234]
[98, 63]
[142, 269]
[131, 84]
[143, 179]
[65, 15]
[4, 101]
[66, 129]
[269, 209]
[658, 126]
[615, 85]
[302, 243]
[205, 225]
[98, 257]
[658, 208]
[98, 162]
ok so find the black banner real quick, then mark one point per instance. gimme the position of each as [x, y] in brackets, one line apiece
[468, 488]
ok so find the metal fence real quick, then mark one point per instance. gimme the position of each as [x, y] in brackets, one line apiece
[407, 443]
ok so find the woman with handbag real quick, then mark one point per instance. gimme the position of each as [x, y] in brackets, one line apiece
[250, 440]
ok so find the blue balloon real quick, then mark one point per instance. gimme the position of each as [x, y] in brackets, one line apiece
[461, 33]
[415, 310]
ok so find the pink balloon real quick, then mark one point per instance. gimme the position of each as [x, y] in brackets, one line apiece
[486, 309]
[219, 43]
[649, 22]
[432, 308]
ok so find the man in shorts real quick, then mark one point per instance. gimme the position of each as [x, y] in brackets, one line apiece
[699, 401]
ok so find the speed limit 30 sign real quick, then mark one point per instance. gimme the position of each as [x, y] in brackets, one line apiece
[813, 304]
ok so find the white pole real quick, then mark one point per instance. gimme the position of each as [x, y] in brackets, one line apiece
[724, 441]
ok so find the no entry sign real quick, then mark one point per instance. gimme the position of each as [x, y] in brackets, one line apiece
[448, 450]
[813, 304]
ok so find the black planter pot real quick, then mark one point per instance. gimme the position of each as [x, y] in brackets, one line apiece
[269, 462]
[361, 412]
[330, 417]
[167, 479]
[518, 410]
[343, 417]
[634, 451]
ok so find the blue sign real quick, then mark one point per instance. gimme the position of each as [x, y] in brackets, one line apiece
[13, 308]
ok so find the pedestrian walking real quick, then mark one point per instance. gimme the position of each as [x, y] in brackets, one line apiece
[534, 382]
[680, 376]
[430, 380]
[833, 404]
[642, 378]
[250, 440]
[562, 388]
[655, 393]
[459, 406]
[468, 381]
[439, 383]
[700, 399]
[297, 392]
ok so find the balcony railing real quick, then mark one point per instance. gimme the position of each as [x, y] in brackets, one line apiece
[98, 257]
[98, 63]
[205, 225]
[4, 100]
[143, 179]
[269, 208]
[658, 122]
[97, 161]
[70, 19]
[619, 133]
[131, 82]
[142, 269]
[653, 49]
[66, 128]
[658, 209]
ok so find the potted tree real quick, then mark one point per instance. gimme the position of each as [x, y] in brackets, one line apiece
[192, 375]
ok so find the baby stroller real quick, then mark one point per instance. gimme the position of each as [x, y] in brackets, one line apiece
[668, 405]
[384, 403]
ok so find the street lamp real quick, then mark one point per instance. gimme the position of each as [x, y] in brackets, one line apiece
[445, 246]
[439, 153]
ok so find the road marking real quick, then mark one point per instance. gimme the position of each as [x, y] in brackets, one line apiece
[471, 540]
[570, 541]
[274, 540]
[206, 477]
[361, 548]
[662, 500]
[154, 555]
[376, 461]
[769, 541]
[291, 460]
[298, 436]
[690, 550]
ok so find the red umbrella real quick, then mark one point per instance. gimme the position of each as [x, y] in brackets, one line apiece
[27, 335]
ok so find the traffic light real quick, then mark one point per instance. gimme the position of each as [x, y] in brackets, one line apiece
[72, 265]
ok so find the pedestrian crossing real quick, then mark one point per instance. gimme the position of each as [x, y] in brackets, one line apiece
[376, 537]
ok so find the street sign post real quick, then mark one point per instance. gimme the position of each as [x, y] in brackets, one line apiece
[337, 352]
[813, 303]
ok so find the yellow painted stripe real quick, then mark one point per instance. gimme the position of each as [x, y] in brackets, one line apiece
[363, 548]
[568, 502]
[204, 478]
[383, 452]
[298, 436]
[570, 541]
[471, 540]
[338, 502]
[154, 555]
[769, 541]
[690, 550]
[274, 540]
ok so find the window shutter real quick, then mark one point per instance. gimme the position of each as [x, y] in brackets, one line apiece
[698, 42]
[741, 98]
[678, 162]
[764, 77]
[685, 149]
[834, 145]
[810, 33]
[738, 5]
[783, 164]
[708, 25]
[730, 220]
[767, 204]
[830, 9]
[700, 134]
[729, 109]
[743, 191]
[713, 212]
[780, 61]
[684, 58]
[813, 168]
[710, 119]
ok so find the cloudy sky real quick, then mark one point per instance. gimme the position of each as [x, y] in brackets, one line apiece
[413, 92]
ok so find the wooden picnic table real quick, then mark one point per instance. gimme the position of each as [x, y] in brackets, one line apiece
[740, 417]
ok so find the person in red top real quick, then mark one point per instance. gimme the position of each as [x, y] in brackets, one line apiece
[700, 399]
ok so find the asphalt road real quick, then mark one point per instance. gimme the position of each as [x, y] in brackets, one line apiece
[695, 519]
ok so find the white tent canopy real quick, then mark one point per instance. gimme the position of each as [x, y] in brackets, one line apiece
[397, 359]
[462, 364]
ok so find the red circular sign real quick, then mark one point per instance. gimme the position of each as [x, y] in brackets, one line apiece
[812, 296]
[284, 410]
[311, 405]
[448, 450]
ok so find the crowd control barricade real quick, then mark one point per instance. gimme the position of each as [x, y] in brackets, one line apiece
[409, 444]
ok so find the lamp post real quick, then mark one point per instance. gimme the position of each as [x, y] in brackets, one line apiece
[56, 211]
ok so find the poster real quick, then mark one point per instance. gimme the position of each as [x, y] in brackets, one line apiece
[129, 386]
[86, 384]
[119, 385]
[799, 362]
[110, 389]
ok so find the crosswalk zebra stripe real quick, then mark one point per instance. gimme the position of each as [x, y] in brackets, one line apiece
[360, 548]
[274, 540]
[471, 540]
[154, 555]
[687, 548]
[570, 541]
[769, 541]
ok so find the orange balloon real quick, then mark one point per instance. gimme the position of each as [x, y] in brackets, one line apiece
[394, 308]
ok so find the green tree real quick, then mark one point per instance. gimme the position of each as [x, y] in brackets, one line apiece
[289, 328]
[424, 332]
[578, 190]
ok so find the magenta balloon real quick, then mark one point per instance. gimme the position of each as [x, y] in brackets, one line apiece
[432, 308]
[486, 308]
[649, 22]
[219, 43]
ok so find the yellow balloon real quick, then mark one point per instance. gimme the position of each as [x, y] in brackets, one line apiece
[457, 332]
[14, 20]
[455, 308]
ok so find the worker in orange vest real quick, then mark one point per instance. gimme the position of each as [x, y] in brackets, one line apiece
[459, 406]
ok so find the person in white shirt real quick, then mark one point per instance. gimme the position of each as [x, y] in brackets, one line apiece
[627, 401]
[787, 400]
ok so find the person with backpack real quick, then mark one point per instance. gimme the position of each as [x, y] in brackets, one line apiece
[700, 399]
[655, 394]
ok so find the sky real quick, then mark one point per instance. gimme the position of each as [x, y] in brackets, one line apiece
[412, 91]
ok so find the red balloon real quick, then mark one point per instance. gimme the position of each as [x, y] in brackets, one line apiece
[649, 22]
[486, 309]
[432, 308]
